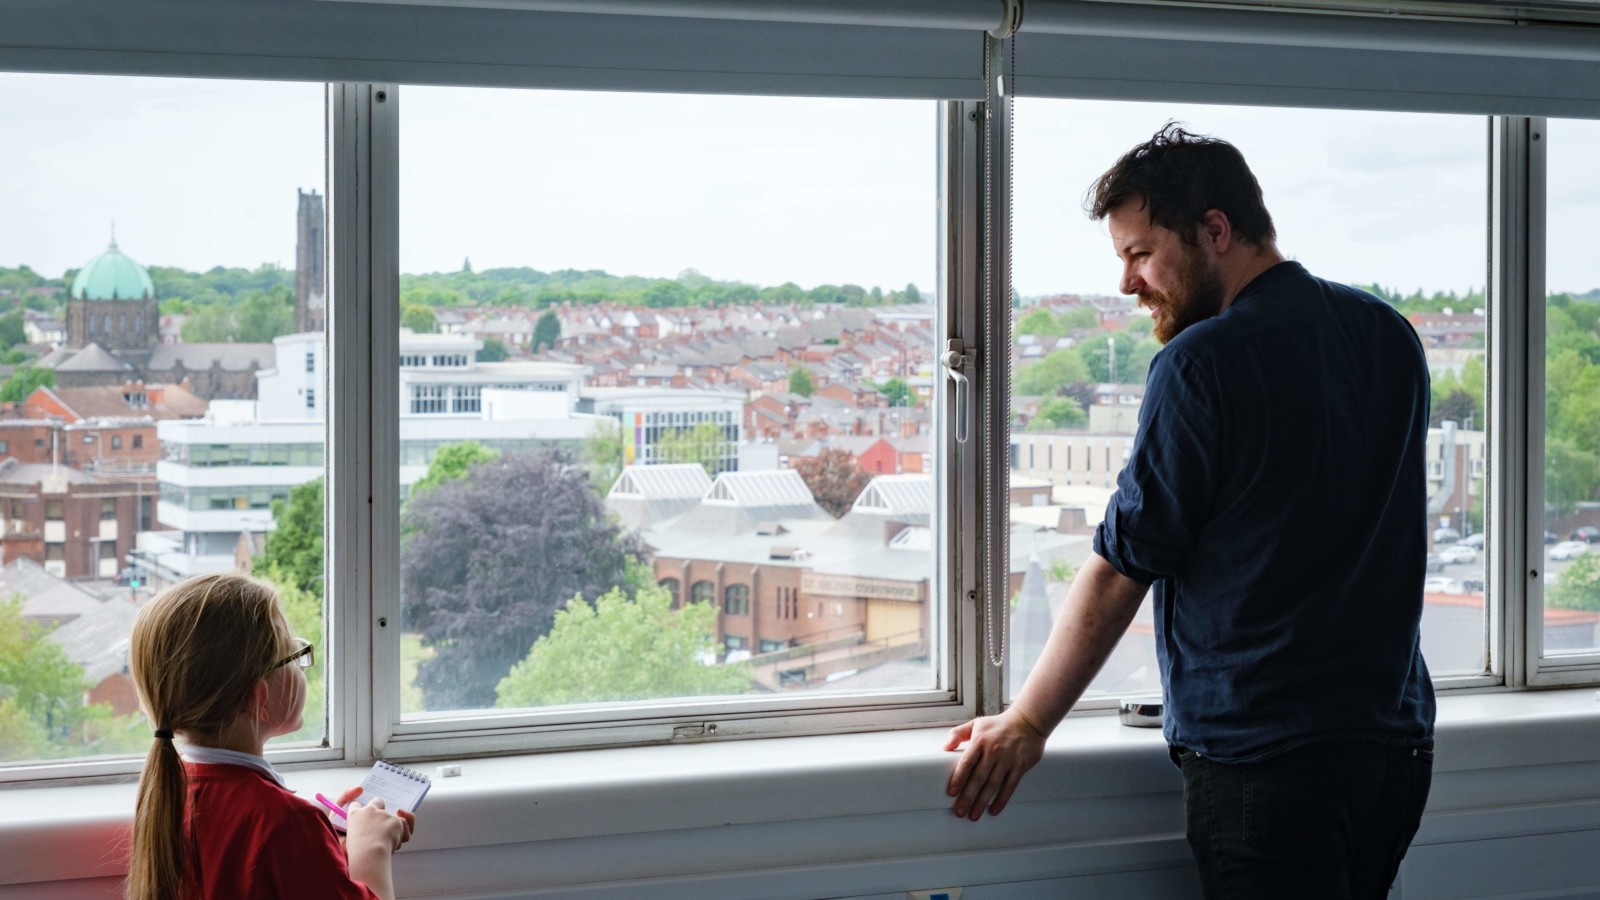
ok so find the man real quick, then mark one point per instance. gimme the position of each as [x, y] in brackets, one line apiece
[1275, 498]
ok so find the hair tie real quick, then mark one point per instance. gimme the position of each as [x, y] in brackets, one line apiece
[163, 734]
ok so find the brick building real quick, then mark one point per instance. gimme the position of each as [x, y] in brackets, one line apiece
[71, 523]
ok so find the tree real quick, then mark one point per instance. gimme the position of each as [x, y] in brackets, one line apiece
[210, 325]
[494, 350]
[1040, 322]
[704, 444]
[546, 331]
[800, 381]
[1057, 370]
[453, 462]
[1081, 317]
[909, 295]
[1056, 413]
[1579, 585]
[419, 319]
[41, 691]
[898, 392]
[622, 649]
[264, 316]
[24, 381]
[1570, 473]
[293, 553]
[835, 479]
[604, 454]
[11, 331]
[487, 561]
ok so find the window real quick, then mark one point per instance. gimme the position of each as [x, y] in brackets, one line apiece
[1067, 278]
[659, 232]
[189, 142]
[428, 399]
[1570, 518]
[311, 361]
[311, 398]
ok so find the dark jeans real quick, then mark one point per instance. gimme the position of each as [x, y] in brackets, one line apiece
[1320, 821]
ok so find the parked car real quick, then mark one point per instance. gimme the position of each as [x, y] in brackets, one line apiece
[1439, 584]
[1445, 535]
[1475, 541]
[1550, 537]
[1569, 550]
[1459, 553]
[1472, 585]
[1587, 533]
[1435, 564]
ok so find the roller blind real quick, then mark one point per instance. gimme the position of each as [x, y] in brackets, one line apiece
[1143, 52]
[309, 40]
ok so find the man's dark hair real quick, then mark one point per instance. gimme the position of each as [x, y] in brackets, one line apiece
[1177, 176]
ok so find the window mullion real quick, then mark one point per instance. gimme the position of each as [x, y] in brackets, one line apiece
[957, 468]
[1516, 401]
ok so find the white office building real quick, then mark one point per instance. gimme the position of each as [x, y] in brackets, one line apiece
[219, 475]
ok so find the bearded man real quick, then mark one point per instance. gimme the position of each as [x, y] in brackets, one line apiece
[1276, 500]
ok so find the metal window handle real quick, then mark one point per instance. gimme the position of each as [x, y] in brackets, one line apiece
[955, 361]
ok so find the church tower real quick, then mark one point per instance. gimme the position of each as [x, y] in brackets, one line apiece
[310, 264]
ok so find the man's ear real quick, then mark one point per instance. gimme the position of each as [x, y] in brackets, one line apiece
[1216, 231]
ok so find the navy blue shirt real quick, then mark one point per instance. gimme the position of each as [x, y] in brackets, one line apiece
[1276, 499]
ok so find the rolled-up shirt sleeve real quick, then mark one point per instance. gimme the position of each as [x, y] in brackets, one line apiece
[1166, 490]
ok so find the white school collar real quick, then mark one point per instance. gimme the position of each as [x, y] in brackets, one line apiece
[218, 756]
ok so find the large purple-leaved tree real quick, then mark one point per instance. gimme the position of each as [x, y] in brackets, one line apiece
[488, 559]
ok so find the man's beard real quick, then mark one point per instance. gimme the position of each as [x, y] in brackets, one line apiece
[1197, 297]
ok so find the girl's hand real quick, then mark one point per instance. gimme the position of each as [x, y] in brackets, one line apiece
[350, 794]
[374, 825]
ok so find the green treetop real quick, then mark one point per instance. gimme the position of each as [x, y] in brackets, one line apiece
[622, 649]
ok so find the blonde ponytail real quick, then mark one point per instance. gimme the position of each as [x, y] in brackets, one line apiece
[156, 871]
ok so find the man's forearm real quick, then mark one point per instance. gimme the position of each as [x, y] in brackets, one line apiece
[1099, 605]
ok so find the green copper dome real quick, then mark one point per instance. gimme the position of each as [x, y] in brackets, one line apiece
[112, 276]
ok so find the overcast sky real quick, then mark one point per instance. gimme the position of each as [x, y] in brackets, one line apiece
[765, 190]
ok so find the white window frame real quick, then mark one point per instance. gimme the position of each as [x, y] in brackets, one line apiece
[1526, 168]
[363, 562]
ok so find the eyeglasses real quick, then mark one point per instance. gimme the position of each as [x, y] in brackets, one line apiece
[302, 656]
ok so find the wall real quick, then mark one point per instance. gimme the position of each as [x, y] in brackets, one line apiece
[1515, 813]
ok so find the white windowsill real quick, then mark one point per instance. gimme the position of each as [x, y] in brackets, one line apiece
[44, 832]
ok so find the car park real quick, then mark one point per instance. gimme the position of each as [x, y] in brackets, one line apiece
[1569, 550]
[1445, 535]
[1459, 553]
[1439, 584]
[1475, 541]
[1435, 564]
[1586, 533]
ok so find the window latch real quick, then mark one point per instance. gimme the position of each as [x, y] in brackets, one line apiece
[955, 360]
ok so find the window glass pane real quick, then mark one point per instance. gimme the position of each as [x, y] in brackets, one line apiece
[1391, 203]
[147, 261]
[680, 341]
[1572, 391]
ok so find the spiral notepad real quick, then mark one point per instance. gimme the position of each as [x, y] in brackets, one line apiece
[400, 787]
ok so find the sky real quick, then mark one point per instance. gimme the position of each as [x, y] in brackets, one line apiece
[200, 173]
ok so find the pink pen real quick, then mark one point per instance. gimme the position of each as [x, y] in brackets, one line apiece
[336, 808]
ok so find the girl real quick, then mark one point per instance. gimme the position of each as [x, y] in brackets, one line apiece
[214, 663]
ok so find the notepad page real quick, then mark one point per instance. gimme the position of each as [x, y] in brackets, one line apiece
[400, 788]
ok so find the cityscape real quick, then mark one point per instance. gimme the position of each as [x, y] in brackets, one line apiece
[755, 471]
